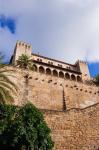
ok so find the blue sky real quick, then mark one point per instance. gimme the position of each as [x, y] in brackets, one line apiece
[67, 30]
[94, 69]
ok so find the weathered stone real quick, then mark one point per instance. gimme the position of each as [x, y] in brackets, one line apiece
[71, 108]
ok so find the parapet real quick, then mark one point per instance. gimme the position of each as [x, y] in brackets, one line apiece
[23, 44]
[80, 61]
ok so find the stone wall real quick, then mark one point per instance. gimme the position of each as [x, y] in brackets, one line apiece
[49, 92]
[75, 129]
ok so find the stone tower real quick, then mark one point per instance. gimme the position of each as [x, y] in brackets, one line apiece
[21, 48]
[83, 68]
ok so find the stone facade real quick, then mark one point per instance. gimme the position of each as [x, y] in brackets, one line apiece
[78, 71]
[52, 93]
[65, 93]
[75, 129]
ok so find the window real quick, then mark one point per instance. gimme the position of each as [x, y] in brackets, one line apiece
[79, 79]
[34, 68]
[60, 65]
[61, 74]
[67, 76]
[39, 59]
[48, 71]
[73, 77]
[68, 67]
[55, 73]
[41, 69]
[50, 62]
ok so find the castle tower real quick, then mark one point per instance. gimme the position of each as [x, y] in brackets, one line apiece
[83, 68]
[21, 48]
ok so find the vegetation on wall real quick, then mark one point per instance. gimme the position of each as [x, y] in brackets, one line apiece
[23, 129]
[24, 62]
[97, 79]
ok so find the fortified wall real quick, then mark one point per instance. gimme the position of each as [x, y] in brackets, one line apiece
[54, 85]
[76, 129]
[66, 95]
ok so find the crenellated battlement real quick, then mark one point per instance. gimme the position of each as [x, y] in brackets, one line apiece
[80, 61]
[23, 44]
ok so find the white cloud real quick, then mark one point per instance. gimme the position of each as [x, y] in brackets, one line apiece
[63, 29]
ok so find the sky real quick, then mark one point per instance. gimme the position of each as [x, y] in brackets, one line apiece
[67, 30]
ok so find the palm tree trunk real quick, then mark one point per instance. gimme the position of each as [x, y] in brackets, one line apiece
[25, 90]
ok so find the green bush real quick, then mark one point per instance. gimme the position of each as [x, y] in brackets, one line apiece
[97, 80]
[23, 128]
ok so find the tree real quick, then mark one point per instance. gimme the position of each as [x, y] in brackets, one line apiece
[24, 62]
[97, 79]
[6, 85]
[23, 129]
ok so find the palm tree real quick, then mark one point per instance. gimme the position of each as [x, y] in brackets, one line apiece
[24, 62]
[6, 85]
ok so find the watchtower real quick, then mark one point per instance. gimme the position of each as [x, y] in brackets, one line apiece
[83, 68]
[21, 48]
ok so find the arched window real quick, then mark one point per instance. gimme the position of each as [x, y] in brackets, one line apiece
[67, 76]
[48, 71]
[41, 69]
[61, 74]
[79, 79]
[55, 73]
[34, 68]
[73, 77]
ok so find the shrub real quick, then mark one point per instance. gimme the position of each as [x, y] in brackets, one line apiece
[97, 80]
[23, 128]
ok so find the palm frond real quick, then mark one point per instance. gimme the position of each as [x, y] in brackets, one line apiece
[7, 86]
[23, 61]
[2, 97]
[5, 96]
[7, 80]
[5, 70]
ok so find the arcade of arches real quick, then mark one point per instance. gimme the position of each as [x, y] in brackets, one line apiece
[56, 73]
